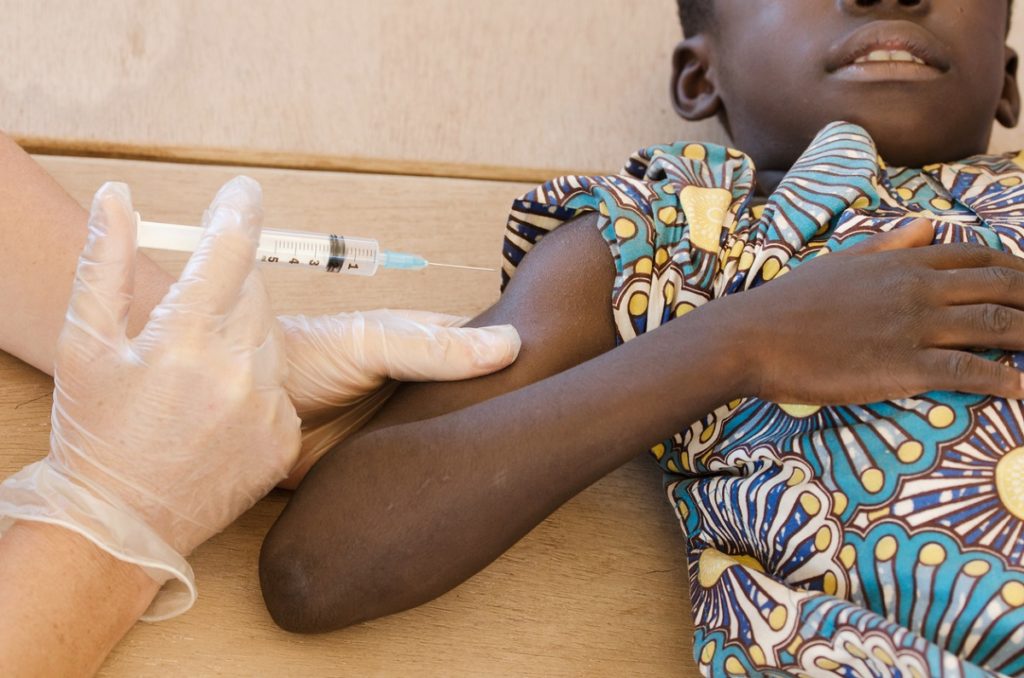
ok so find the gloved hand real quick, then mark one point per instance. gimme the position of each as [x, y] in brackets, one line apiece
[161, 441]
[339, 366]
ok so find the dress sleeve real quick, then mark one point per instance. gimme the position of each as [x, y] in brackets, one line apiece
[667, 219]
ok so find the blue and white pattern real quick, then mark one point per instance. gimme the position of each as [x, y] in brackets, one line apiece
[876, 540]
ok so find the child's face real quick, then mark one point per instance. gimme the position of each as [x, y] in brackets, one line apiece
[783, 69]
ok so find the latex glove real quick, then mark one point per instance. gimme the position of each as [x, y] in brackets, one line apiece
[340, 366]
[161, 441]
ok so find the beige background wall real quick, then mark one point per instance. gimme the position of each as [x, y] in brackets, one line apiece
[517, 89]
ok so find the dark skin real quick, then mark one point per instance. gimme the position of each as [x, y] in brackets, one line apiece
[774, 95]
[416, 503]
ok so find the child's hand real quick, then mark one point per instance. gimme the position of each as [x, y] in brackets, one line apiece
[890, 318]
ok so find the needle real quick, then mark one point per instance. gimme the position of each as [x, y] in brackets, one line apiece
[467, 268]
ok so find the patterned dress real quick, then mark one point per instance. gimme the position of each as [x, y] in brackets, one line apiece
[875, 540]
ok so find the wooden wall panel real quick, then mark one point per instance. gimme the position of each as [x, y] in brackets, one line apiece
[520, 89]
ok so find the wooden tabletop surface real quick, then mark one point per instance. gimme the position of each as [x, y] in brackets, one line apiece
[599, 589]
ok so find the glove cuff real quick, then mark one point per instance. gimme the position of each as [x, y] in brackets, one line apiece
[43, 494]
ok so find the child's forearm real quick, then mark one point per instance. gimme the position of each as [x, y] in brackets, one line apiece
[42, 230]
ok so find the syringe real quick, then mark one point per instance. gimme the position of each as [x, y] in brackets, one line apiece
[322, 251]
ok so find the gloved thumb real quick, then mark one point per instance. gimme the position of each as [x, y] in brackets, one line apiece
[335, 361]
[440, 352]
[104, 279]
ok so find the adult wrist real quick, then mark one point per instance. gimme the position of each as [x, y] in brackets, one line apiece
[40, 493]
[132, 584]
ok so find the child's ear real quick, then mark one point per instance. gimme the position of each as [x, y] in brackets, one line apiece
[1008, 111]
[694, 90]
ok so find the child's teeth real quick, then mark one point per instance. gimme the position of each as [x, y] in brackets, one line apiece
[889, 55]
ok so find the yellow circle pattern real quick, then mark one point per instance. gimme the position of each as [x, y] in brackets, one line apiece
[695, 152]
[839, 503]
[777, 618]
[873, 480]
[976, 568]
[810, 503]
[823, 539]
[683, 309]
[771, 269]
[638, 304]
[941, 416]
[910, 451]
[1013, 593]
[734, 668]
[708, 652]
[625, 228]
[932, 554]
[1010, 481]
[885, 549]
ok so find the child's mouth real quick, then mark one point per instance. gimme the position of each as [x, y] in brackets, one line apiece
[887, 51]
[887, 70]
[890, 55]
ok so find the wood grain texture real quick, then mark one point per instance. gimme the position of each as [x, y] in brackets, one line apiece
[599, 589]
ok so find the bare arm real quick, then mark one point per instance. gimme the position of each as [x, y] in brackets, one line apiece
[42, 222]
[450, 475]
[409, 510]
[65, 602]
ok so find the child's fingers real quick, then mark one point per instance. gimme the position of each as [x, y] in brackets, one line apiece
[973, 325]
[105, 276]
[949, 370]
[918, 233]
[988, 285]
[968, 255]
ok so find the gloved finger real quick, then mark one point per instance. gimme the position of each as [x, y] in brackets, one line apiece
[423, 317]
[249, 321]
[105, 277]
[321, 436]
[415, 352]
[213, 277]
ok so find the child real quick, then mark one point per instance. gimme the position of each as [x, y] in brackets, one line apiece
[883, 539]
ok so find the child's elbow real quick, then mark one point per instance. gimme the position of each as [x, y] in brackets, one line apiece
[298, 596]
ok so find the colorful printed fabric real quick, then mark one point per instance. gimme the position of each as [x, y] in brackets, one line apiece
[876, 540]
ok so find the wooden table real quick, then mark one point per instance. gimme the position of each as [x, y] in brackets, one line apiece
[599, 589]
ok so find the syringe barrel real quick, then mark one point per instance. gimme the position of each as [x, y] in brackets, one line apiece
[332, 253]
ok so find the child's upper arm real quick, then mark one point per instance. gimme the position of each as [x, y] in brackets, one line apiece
[332, 557]
[559, 301]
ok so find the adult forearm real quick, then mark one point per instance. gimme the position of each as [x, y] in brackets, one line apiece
[45, 225]
[419, 507]
[65, 602]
